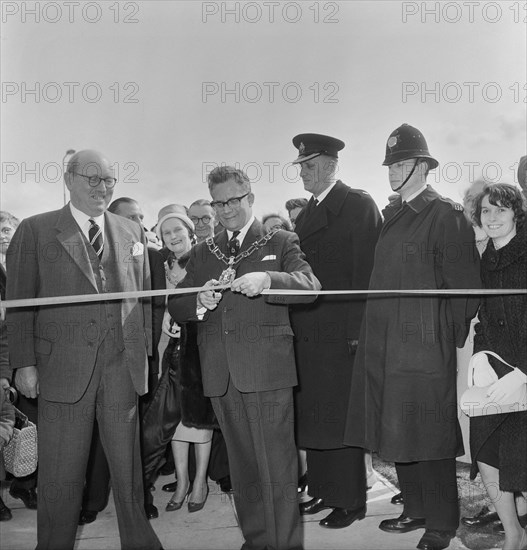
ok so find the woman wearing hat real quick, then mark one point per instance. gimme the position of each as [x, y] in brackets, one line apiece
[176, 231]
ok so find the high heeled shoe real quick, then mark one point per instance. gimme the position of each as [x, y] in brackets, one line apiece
[173, 505]
[197, 506]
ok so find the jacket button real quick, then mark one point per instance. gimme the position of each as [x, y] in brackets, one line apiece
[226, 332]
[225, 310]
[306, 339]
[501, 322]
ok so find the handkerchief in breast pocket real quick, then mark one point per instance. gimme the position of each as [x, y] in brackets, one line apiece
[269, 257]
[138, 249]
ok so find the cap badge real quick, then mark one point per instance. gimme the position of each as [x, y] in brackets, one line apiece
[392, 141]
[301, 148]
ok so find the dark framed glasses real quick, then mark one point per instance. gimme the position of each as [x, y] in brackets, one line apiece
[231, 203]
[95, 180]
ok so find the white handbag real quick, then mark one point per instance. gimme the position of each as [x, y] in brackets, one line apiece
[481, 375]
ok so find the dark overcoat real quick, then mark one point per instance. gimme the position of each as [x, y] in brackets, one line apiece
[338, 239]
[502, 328]
[403, 400]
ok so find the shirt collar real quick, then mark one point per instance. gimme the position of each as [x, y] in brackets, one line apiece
[83, 220]
[423, 198]
[325, 193]
[243, 230]
[413, 195]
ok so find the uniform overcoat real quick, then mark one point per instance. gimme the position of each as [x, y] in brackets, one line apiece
[403, 400]
[338, 238]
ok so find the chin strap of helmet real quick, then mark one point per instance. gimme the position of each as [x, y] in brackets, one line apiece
[409, 176]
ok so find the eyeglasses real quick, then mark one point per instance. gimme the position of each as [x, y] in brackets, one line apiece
[231, 203]
[94, 181]
[205, 220]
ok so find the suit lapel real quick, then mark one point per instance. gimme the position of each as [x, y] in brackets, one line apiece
[72, 239]
[313, 222]
[319, 218]
[120, 242]
[253, 234]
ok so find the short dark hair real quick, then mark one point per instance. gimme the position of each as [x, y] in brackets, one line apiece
[501, 194]
[286, 224]
[221, 174]
[114, 206]
[295, 203]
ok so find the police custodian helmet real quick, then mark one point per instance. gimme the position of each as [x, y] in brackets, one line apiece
[407, 142]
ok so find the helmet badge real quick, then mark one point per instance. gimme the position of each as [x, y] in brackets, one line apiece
[392, 142]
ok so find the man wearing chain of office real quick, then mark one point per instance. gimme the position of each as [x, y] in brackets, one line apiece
[247, 359]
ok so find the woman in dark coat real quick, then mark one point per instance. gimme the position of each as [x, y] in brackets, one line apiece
[499, 442]
[176, 231]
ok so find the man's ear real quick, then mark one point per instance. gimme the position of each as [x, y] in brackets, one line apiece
[250, 198]
[68, 180]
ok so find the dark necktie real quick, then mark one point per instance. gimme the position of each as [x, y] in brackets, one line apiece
[95, 238]
[312, 204]
[233, 246]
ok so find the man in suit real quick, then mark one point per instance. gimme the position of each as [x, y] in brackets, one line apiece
[97, 489]
[246, 352]
[85, 360]
[338, 230]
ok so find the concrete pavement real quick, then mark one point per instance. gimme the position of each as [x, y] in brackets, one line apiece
[215, 527]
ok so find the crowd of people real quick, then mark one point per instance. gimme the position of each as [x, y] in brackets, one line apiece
[245, 373]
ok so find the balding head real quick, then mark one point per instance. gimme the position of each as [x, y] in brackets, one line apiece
[90, 180]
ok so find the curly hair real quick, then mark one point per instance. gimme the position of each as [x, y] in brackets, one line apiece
[501, 194]
[9, 218]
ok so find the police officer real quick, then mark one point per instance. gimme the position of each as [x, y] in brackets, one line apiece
[338, 230]
[403, 400]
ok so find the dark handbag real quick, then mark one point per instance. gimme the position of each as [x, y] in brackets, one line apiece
[21, 453]
[162, 414]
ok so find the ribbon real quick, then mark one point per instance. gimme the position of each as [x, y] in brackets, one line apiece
[82, 298]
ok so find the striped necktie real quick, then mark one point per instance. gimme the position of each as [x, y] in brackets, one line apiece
[95, 238]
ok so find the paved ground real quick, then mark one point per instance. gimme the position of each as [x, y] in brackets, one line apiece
[216, 528]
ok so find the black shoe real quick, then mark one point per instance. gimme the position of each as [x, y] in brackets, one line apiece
[483, 517]
[402, 524]
[87, 516]
[312, 506]
[27, 496]
[342, 517]
[302, 483]
[397, 499]
[434, 539]
[5, 512]
[498, 527]
[151, 511]
[225, 484]
[170, 487]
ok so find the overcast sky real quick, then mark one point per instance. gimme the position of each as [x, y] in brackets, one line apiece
[169, 89]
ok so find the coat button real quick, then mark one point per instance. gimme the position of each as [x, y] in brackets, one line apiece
[501, 322]
[306, 339]
[226, 331]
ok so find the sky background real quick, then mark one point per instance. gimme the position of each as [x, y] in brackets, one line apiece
[146, 82]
